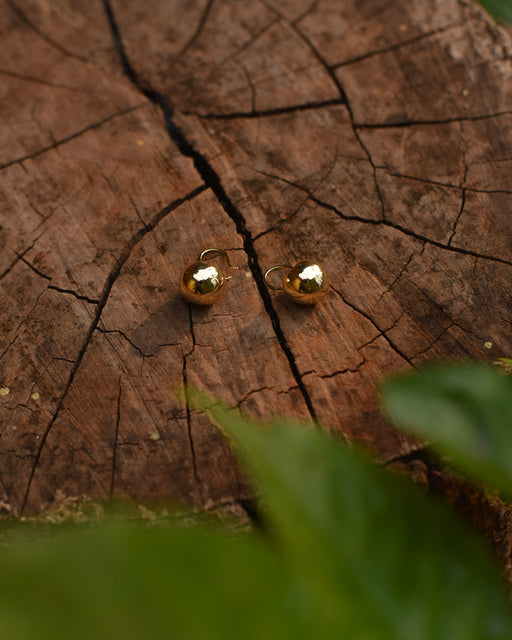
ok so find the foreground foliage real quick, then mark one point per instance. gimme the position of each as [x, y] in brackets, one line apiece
[501, 10]
[350, 550]
[465, 411]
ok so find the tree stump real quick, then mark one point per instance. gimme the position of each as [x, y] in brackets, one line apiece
[374, 136]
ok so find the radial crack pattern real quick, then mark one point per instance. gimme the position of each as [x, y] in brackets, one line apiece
[109, 283]
[212, 180]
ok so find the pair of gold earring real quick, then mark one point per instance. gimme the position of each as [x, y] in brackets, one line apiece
[203, 283]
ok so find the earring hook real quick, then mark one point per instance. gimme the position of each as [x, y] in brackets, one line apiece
[270, 286]
[221, 251]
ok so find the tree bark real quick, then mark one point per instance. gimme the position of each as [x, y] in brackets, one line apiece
[374, 136]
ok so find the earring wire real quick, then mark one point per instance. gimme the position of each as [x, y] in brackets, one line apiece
[221, 251]
[268, 271]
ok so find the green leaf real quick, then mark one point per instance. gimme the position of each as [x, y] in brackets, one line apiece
[355, 553]
[501, 10]
[380, 560]
[465, 412]
[126, 582]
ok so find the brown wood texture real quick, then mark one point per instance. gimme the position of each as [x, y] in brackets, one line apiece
[372, 135]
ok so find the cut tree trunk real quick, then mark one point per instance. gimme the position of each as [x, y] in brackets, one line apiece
[375, 136]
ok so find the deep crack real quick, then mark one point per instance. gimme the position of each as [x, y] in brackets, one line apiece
[78, 296]
[116, 437]
[212, 180]
[109, 283]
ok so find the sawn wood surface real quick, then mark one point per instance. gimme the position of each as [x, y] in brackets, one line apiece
[374, 136]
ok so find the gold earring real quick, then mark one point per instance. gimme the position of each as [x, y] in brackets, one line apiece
[305, 283]
[202, 283]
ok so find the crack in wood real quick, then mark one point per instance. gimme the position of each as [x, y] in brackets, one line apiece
[355, 126]
[266, 113]
[116, 438]
[402, 271]
[249, 42]
[396, 46]
[320, 58]
[375, 325]
[374, 166]
[435, 341]
[283, 221]
[396, 321]
[344, 99]
[109, 283]
[16, 335]
[28, 23]
[462, 204]
[20, 405]
[301, 205]
[438, 183]
[212, 180]
[334, 374]
[441, 121]
[198, 30]
[305, 13]
[60, 358]
[125, 337]
[72, 136]
[78, 296]
[19, 256]
[446, 314]
[39, 81]
[369, 342]
[187, 397]
[34, 269]
[22, 324]
[380, 334]
[17, 454]
[250, 393]
[251, 84]
[54, 287]
[393, 225]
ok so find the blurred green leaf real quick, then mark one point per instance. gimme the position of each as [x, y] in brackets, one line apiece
[126, 582]
[501, 10]
[465, 411]
[354, 553]
[380, 560]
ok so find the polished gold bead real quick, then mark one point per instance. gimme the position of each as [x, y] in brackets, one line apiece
[201, 283]
[305, 283]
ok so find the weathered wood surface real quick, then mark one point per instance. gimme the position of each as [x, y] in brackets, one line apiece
[375, 136]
